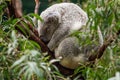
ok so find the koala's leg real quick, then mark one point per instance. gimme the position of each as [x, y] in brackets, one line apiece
[71, 55]
[60, 34]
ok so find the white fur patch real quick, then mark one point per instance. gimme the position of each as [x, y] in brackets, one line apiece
[76, 26]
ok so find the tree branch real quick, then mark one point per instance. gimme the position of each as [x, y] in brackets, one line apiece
[15, 10]
[102, 48]
[36, 11]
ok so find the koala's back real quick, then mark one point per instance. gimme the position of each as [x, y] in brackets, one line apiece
[70, 14]
[70, 17]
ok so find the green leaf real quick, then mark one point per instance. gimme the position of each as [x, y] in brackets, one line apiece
[37, 16]
[19, 61]
[21, 29]
[35, 44]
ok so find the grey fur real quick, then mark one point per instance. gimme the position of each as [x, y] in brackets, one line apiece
[71, 55]
[60, 20]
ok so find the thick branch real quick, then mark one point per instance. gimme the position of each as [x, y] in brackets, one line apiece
[15, 10]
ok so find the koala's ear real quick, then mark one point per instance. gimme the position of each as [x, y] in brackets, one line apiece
[54, 17]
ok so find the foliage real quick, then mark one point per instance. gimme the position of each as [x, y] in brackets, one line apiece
[106, 15]
[21, 58]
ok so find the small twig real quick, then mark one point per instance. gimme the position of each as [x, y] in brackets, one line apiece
[37, 6]
[36, 11]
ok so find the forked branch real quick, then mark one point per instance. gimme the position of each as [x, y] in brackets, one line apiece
[15, 10]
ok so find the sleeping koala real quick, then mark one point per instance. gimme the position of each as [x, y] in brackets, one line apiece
[59, 20]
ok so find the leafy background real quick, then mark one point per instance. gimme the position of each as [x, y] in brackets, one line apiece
[22, 59]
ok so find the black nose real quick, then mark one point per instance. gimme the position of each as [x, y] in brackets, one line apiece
[44, 39]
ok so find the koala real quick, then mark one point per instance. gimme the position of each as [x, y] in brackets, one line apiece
[59, 21]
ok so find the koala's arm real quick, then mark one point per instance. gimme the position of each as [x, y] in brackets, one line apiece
[60, 34]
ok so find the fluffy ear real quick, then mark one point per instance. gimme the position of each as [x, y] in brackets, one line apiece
[54, 17]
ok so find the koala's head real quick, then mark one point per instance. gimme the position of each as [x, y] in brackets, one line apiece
[49, 25]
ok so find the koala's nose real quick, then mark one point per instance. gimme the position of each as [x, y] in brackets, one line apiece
[44, 39]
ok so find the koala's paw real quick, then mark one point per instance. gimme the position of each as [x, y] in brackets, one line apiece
[51, 46]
